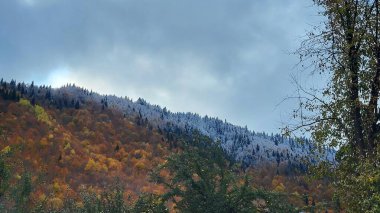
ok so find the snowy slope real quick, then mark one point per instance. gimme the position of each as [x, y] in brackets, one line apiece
[244, 145]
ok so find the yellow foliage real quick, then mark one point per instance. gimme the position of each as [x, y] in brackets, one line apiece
[55, 203]
[25, 102]
[79, 205]
[42, 197]
[159, 147]
[6, 150]
[104, 167]
[63, 151]
[66, 137]
[275, 182]
[56, 187]
[280, 188]
[145, 189]
[42, 115]
[95, 166]
[296, 194]
[114, 164]
[86, 132]
[101, 158]
[68, 146]
[85, 143]
[44, 142]
[140, 165]
[72, 151]
[90, 164]
[67, 158]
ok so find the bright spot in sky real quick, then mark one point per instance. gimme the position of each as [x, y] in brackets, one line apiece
[59, 77]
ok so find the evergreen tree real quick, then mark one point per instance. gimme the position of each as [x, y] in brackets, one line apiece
[149, 203]
[77, 105]
[203, 180]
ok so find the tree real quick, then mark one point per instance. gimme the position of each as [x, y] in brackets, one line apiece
[77, 105]
[5, 174]
[22, 193]
[202, 180]
[4, 177]
[149, 203]
[112, 200]
[344, 114]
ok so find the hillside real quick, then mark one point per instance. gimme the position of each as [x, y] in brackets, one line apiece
[242, 144]
[71, 139]
[69, 149]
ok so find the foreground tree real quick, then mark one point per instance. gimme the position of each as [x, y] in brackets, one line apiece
[202, 180]
[344, 114]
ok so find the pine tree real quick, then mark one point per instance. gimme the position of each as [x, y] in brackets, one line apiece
[77, 105]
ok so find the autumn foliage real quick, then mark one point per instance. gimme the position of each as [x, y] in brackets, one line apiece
[68, 153]
[66, 150]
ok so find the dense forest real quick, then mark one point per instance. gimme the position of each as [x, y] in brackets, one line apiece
[59, 154]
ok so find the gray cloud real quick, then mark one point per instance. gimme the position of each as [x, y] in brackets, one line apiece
[218, 57]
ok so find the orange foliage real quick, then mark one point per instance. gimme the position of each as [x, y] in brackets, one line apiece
[71, 148]
[89, 147]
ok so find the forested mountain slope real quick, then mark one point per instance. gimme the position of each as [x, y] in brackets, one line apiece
[242, 144]
[67, 149]
[71, 140]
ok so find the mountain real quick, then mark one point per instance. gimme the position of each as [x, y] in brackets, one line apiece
[241, 144]
[70, 139]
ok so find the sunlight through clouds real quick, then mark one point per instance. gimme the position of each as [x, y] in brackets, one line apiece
[59, 77]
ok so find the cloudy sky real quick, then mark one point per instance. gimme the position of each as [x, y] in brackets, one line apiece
[225, 58]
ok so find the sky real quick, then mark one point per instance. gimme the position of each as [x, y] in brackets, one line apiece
[223, 58]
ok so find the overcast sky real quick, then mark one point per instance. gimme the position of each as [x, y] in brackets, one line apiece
[224, 58]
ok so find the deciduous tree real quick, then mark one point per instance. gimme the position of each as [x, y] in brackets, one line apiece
[345, 50]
